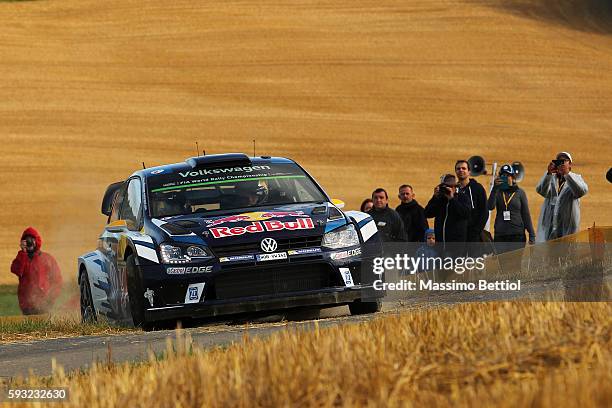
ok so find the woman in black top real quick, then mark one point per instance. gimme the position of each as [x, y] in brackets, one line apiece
[512, 218]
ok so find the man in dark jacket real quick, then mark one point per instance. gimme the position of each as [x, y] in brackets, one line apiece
[40, 280]
[451, 211]
[477, 197]
[388, 221]
[412, 214]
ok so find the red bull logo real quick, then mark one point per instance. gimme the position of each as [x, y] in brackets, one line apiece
[254, 216]
[263, 226]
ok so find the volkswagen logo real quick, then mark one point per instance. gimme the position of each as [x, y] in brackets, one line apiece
[269, 245]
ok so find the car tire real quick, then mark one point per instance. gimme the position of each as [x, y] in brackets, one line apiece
[88, 311]
[358, 307]
[135, 292]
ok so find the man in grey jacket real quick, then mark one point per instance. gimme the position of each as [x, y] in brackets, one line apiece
[562, 189]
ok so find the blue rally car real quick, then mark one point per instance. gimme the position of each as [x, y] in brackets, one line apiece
[225, 234]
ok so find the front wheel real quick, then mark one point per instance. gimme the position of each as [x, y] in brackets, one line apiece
[88, 311]
[135, 292]
[358, 307]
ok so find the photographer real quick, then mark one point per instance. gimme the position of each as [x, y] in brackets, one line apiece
[451, 212]
[512, 217]
[562, 189]
[40, 280]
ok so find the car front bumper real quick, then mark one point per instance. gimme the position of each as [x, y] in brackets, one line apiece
[328, 297]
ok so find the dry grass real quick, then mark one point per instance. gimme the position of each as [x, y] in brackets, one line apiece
[363, 94]
[482, 354]
[43, 327]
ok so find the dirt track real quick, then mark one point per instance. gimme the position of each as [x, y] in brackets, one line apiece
[362, 93]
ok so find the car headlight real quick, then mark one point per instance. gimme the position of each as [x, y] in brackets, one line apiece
[171, 254]
[341, 238]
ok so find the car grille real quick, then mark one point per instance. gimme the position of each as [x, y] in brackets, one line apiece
[283, 245]
[275, 280]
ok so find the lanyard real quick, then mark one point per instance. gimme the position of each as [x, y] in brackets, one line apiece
[508, 201]
[561, 183]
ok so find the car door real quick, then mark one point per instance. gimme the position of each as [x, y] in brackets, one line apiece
[107, 245]
[126, 217]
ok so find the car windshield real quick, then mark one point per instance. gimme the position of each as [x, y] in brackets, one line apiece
[204, 190]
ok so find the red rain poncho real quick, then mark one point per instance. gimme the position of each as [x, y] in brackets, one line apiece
[40, 280]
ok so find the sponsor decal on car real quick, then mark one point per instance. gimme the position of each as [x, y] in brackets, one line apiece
[305, 251]
[263, 226]
[271, 257]
[254, 216]
[210, 172]
[194, 292]
[237, 258]
[346, 254]
[184, 270]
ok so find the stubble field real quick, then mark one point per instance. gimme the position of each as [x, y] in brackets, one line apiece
[362, 93]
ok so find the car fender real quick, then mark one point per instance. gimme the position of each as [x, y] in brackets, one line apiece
[365, 225]
[99, 283]
[142, 246]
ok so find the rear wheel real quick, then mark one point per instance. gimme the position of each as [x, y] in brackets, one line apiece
[358, 307]
[135, 292]
[88, 312]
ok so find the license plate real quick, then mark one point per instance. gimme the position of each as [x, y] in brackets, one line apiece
[272, 257]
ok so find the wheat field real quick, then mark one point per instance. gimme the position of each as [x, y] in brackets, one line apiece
[480, 354]
[362, 93]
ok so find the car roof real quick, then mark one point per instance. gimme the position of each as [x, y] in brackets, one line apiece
[213, 161]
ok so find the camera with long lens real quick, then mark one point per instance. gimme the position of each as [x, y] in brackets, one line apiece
[444, 190]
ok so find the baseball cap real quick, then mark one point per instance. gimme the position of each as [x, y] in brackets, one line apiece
[564, 155]
[506, 168]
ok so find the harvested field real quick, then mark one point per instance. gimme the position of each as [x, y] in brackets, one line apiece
[544, 354]
[362, 93]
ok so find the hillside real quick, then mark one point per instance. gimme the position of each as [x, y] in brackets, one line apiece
[362, 93]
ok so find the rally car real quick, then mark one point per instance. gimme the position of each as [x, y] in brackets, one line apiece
[225, 234]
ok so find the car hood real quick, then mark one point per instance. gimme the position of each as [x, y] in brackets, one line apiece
[278, 222]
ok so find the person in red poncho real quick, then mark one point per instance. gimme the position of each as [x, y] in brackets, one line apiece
[40, 280]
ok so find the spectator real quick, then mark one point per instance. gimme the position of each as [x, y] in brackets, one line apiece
[512, 217]
[427, 250]
[451, 212]
[412, 214]
[561, 189]
[366, 205]
[477, 198]
[40, 280]
[388, 221]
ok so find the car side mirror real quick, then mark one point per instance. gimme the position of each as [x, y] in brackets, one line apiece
[109, 195]
[338, 203]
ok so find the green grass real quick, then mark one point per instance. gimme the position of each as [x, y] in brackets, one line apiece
[9, 305]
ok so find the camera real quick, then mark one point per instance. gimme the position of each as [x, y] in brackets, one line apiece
[30, 242]
[444, 190]
[558, 162]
